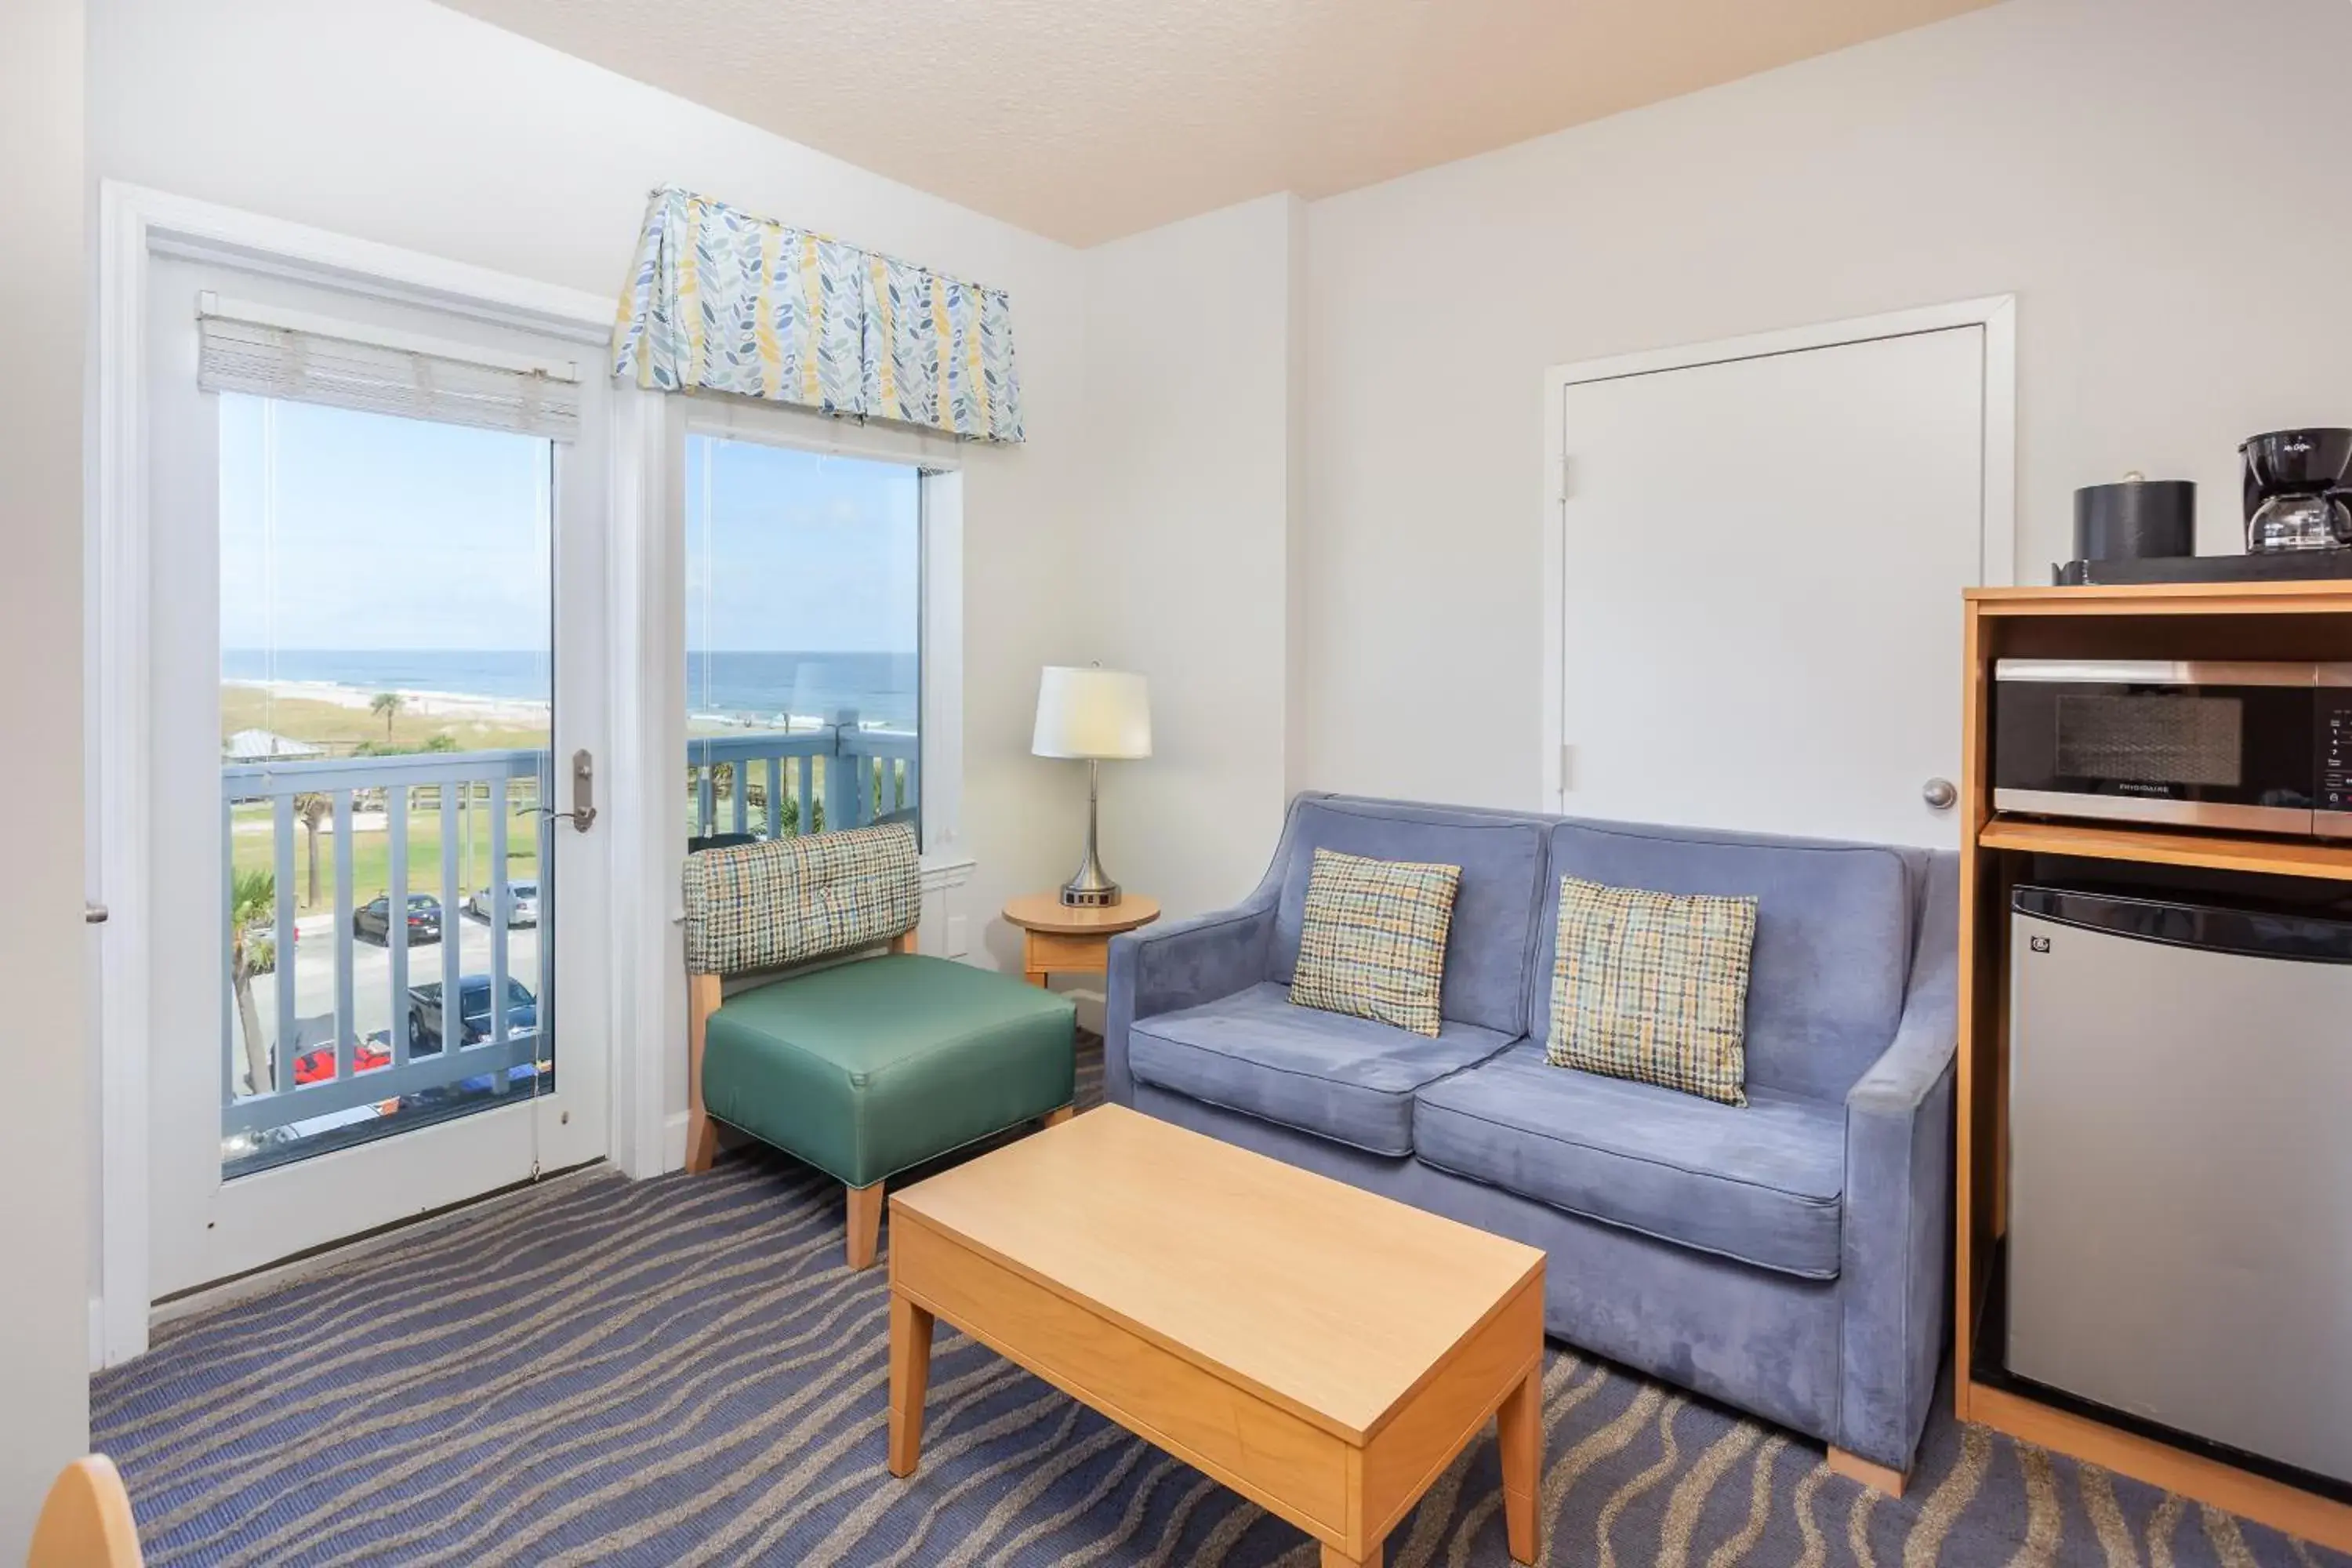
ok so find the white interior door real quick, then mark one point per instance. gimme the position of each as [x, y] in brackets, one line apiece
[1762, 563]
[376, 644]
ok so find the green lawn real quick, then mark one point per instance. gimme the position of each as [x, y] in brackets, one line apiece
[371, 855]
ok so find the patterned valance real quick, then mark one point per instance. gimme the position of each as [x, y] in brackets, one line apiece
[725, 302]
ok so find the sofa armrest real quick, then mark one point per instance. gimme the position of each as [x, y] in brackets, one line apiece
[1895, 1253]
[1182, 965]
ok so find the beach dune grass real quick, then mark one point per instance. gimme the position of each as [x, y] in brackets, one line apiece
[343, 728]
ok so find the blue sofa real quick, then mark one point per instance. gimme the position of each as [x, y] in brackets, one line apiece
[1789, 1258]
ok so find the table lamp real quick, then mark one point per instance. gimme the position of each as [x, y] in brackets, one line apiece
[1097, 715]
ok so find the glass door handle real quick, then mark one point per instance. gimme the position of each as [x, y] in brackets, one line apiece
[582, 814]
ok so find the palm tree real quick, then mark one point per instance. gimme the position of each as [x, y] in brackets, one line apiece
[313, 810]
[253, 895]
[389, 704]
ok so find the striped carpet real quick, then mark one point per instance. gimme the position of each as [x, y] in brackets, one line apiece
[682, 1371]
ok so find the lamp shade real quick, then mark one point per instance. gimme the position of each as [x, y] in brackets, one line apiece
[1092, 713]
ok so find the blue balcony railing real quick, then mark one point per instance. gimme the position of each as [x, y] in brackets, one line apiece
[775, 782]
[274, 1070]
[384, 1013]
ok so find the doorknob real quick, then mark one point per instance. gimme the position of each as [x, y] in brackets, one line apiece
[582, 814]
[94, 914]
[1939, 795]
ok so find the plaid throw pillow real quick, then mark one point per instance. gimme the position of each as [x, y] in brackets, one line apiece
[1373, 943]
[1652, 986]
[787, 901]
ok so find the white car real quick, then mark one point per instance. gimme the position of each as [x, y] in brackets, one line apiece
[522, 904]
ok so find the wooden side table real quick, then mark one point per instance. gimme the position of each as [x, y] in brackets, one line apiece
[1058, 940]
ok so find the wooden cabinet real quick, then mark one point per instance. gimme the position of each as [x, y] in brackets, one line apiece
[2299, 621]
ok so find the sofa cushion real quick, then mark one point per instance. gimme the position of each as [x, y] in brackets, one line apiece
[1833, 933]
[1761, 1184]
[1373, 943]
[1348, 1079]
[1491, 942]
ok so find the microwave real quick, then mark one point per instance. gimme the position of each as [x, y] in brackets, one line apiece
[2254, 747]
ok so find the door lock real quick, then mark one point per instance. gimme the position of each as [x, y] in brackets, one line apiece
[582, 814]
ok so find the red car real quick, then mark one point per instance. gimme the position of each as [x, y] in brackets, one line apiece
[319, 1066]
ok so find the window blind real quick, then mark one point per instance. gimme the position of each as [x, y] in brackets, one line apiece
[271, 353]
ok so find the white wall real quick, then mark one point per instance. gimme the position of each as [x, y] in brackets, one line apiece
[44, 1298]
[2156, 180]
[397, 120]
[1185, 571]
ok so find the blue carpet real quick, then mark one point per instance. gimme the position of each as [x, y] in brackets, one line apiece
[682, 1371]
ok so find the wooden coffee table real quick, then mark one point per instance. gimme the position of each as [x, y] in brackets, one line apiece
[1321, 1350]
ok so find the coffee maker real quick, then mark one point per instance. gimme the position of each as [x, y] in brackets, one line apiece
[2297, 486]
[2294, 494]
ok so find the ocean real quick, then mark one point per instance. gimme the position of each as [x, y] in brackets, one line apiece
[879, 685]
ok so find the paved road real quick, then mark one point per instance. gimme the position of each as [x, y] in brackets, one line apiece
[314, 976]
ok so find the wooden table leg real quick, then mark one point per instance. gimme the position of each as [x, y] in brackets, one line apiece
[1335, 1558]
[1519, 1427]
[910, 1378]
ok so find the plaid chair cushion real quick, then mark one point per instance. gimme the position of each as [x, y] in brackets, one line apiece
[785, 901]
[1373, 942]
[1654, 987]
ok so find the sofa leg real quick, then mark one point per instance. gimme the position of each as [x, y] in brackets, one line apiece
[701, 1143]
[1877, 1477]
[1055, 1117]
[864, 1224]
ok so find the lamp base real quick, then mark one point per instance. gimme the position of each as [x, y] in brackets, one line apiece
[1091, 886]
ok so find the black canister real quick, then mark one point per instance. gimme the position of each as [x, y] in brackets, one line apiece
[2136, 520]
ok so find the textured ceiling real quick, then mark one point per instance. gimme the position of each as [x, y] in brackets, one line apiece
[1087, 120]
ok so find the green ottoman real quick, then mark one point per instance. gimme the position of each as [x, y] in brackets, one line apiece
[871, 1069]
[867, 1068]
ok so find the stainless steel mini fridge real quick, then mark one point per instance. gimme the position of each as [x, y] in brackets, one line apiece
[2180, 1166]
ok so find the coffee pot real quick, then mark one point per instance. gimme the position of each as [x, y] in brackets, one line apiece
[2294, 494]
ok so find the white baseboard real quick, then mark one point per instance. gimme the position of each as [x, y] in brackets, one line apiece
[673, 1153]
[96, 1334]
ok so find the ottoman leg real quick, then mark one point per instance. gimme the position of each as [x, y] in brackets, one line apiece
[864, 1224]
[1055, 1117]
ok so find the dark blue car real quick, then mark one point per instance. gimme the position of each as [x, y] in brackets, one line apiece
[473, 1012]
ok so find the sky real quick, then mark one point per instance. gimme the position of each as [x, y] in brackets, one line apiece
[342, 529]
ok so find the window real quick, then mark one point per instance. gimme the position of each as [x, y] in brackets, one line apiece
[803, 630]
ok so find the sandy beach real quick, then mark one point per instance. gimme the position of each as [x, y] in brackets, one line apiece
[451, 705]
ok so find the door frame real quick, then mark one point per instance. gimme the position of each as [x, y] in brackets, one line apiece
[136, 223]
[1997, 543]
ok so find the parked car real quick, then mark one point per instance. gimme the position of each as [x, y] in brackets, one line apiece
[319, 1066]
[371, 921]
[522, 904]
[424, 1011]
